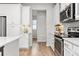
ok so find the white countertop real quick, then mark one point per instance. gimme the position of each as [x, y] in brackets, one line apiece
[74, 41]
[5, 40]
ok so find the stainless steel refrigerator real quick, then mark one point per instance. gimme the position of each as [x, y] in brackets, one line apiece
[2, 26]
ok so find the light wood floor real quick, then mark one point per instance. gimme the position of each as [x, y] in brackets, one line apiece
[38, 49]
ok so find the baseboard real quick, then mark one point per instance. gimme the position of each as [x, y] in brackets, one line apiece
[41, 40]
[24, 47]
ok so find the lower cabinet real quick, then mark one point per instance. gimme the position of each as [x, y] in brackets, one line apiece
[71, 49]
[75, 50]
[24, 41]
[67, 52]
[67, 48]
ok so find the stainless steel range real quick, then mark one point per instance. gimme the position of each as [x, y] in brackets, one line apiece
[73, 31]
[58, 45]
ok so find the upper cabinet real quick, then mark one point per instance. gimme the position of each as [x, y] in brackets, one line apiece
[77, 11]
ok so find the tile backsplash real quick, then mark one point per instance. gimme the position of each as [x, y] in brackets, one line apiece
[72, 24]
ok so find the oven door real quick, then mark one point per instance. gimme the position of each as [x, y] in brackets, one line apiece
[59, 46]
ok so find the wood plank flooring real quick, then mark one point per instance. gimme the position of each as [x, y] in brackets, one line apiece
[38, 49]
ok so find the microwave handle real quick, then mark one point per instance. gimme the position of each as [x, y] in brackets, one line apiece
[67, 13]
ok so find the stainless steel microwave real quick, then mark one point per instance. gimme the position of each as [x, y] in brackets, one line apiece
[68, 14]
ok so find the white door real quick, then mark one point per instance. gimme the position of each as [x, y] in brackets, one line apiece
[41, 26]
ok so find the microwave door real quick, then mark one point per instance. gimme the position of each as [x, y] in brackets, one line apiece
[66, 15]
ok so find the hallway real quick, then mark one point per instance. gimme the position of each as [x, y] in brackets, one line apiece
[38, 49]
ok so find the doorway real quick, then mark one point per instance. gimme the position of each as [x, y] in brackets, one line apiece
[39, 25]
[34, 25]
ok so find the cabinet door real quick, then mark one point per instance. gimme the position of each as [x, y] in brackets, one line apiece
[77, 11]
[67, 53]
[63, 6]
[24, 41]
[67, 49]
[67, 45]
[75, 50]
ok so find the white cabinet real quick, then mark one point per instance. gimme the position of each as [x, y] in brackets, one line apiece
[12, 48]
[75, 50]
[71, 47]
[68, 45]
[76, 11]
[24, 41]
[67, 49]
[67, 52]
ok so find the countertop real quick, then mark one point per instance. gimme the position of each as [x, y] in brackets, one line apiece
[6, 40]
[74, 41]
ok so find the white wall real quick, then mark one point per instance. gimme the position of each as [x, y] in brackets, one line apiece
[56, 14]
[54, 19]
[12, 12]
[25, 15]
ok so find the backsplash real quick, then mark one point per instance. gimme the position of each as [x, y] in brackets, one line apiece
[72, 24]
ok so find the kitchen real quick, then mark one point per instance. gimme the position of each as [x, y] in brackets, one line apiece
[18, 26]
[69, 39]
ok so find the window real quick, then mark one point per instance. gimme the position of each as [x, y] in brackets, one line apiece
[34, 24]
